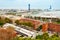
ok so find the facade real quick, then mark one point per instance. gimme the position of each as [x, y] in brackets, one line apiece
[45, 27]
[51, 27]
[54, 27]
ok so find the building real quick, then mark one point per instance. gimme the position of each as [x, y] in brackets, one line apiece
[28, 7]
[45, 27]
[35, 23]
[22, 31]
[53, 27]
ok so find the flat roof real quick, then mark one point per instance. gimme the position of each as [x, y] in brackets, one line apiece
[51, 14]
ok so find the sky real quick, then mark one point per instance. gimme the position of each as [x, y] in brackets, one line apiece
[35, 4]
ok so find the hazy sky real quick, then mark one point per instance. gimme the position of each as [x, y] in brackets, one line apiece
[23, 4]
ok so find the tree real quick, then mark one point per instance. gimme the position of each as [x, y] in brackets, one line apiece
[55, 35]
[2, 21]
[8, 20]
[39, 37]
[17, 22]
[45, 36]
[39, 28]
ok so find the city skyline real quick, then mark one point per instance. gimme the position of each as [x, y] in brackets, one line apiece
[35, 4]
